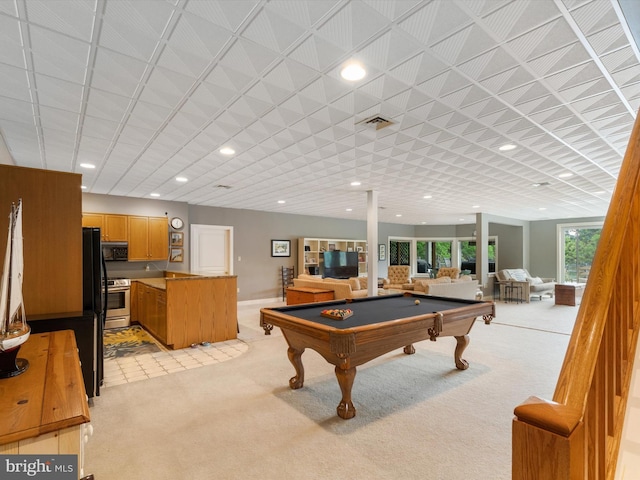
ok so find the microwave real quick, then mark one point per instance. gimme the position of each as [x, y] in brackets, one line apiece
[115, 251]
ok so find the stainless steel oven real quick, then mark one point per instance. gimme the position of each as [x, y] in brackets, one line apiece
[118, 303]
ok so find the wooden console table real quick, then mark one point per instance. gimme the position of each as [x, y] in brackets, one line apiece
[569, 293]
[298, 295]
[45, 408]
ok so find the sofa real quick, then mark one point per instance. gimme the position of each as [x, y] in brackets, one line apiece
[355, 287]
[531, 286]
[445, 286]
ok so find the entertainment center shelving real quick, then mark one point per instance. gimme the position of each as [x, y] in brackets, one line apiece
[310, 252]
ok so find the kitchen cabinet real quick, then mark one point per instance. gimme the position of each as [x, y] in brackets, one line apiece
[152, 310]
[133, 308]
[113, 228]
[148, 238]
[180, 310]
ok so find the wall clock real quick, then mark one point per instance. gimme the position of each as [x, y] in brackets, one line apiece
[177, 223]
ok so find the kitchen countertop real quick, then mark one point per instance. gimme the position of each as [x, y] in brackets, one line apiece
[161, 282]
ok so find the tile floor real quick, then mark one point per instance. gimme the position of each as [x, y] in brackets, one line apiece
[140, 367]
[132, 369]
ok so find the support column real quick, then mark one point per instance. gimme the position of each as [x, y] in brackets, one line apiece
[372, 243]
[482, 249]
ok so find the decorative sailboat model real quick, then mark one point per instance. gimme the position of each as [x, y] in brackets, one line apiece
[14, 330]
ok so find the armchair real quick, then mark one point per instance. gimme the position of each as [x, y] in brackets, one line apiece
[397, 277]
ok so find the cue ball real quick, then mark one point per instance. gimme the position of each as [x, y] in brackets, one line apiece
[417, 302]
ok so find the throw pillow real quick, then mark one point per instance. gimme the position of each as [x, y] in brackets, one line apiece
[355, 283]
[535, 280]
[518, 275]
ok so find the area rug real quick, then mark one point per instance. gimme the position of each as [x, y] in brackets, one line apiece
[128, 342]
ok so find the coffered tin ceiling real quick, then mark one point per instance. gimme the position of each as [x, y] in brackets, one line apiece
[151, 90]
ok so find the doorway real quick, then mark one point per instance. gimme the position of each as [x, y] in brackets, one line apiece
[211, 249]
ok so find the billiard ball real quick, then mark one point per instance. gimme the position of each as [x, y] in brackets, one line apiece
[417, 302]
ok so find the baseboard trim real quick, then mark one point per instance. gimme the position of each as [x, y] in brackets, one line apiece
[265, 301]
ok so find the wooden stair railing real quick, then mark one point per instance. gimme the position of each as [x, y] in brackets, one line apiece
[577, 434]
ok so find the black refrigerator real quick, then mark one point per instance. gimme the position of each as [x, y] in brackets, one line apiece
[88, 325]
[94, 277]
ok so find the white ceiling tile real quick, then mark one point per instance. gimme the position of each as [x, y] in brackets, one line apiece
[10, 39]
[273, 31]
[76, 20]
[229, 15]
[59, 56]
[57, 93]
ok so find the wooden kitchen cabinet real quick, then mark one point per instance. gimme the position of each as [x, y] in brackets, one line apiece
[152, 311]
[133, 304]
[180, 309]
[113, 228]
[148, 238]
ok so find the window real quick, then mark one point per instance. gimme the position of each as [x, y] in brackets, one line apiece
[432, 255]
[468, 256]
[399, 252]
[577, 247]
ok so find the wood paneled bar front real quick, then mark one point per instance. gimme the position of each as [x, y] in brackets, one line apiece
[182, 309]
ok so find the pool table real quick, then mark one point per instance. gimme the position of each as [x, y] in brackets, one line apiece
[378, 325]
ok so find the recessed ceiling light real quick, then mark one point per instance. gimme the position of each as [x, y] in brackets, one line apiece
[475, 206]
[281, 201]
[154, 194]
[600, 192]
[542, 208]
[398, 214]
[461, 219]
[355, 184]
[182, 179]
[227, 151]
[353, 71]
[565, 175]
[507, 147]
[87, 165]
[427, 196]
[83, 187]
[349, 209]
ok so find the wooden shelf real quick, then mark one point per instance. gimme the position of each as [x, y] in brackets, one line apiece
[310, 252]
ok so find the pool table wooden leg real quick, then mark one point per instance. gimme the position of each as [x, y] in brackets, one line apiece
[463, 341]
[409, 349]
[296, 360]
[346, 377]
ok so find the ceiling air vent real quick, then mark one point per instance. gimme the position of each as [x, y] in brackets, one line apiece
[226, 187]
[378, 121]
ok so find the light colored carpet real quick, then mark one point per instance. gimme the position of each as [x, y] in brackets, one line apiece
[417, 415]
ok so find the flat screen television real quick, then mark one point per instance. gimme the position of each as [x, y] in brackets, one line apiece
[340, 264]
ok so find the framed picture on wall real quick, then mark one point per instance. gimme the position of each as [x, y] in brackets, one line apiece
[280, 248]
[177, 239]
[176, 255]
[382, 252]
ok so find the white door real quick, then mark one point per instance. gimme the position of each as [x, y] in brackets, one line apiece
[211, 249]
